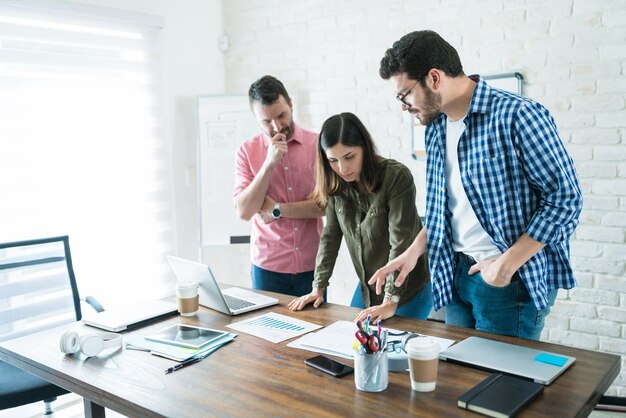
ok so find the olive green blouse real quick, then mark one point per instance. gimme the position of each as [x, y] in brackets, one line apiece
[377, 228]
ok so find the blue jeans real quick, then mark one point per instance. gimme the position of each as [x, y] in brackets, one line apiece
[289, 284]
[419, 307]
[507, 310]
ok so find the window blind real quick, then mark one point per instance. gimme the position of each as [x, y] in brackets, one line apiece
[83, 150]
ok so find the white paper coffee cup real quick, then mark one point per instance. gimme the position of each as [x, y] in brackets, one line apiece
[423, 355]
[187, 298]
[186, 289]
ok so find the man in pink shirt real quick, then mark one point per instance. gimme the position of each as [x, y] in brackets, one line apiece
[275, 173]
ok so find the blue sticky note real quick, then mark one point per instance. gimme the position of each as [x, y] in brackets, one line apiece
[551, 359]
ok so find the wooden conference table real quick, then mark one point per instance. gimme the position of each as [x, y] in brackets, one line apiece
[253, 377]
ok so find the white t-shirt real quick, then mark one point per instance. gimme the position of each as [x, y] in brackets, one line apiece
[468, 235]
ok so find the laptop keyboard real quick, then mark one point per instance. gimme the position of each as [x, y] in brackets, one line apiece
[236, 303]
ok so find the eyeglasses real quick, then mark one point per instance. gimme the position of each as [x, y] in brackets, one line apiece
[401, 96]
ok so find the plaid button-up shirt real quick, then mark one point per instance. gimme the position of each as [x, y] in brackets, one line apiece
[518, 178]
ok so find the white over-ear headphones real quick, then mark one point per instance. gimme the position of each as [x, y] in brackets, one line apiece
[89, 344]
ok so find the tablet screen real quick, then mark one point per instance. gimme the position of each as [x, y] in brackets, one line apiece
[186, 336]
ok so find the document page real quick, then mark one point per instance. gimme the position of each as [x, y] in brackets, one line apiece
[138, 342]
[274, 327]
[337, 340]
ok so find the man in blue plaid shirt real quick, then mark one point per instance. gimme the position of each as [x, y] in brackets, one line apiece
[502, 194]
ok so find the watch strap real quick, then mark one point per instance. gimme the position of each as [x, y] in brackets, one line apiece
[392, 298]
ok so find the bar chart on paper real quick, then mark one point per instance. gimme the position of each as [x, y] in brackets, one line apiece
[274, 327]
[271, 323]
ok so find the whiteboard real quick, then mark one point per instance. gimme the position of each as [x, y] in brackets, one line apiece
[224, 122]
[513, 82]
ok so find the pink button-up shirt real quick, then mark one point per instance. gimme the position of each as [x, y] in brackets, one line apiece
[286, 245]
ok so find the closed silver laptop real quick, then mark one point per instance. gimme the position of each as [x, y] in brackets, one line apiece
[120, 319]
[231, 301]
[539, 365]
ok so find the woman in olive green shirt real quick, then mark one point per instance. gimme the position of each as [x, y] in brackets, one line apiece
[369, 201]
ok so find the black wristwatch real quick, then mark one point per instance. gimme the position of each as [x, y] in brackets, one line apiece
[276, 212]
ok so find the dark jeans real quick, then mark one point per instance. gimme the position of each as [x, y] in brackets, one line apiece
[286, 283]
[419, 307]
[507, 310]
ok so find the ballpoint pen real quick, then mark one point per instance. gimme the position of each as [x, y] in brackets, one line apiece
[182, 364]
[359, 325]
[195, 359]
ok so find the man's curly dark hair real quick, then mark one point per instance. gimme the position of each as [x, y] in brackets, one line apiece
[416, 53]
[267, 90]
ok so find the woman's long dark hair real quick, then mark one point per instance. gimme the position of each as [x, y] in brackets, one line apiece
[348, 130]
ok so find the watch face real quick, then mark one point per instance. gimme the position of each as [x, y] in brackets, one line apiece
[393, 298]
[276, 213]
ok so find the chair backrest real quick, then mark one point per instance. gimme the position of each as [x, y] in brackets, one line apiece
[37, 286]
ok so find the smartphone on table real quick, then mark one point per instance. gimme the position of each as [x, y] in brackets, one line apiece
[329, 366]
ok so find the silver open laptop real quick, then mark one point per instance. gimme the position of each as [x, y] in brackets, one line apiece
[541, 366]
[231, 301]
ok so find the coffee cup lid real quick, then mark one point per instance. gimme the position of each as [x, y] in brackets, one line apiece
[421, 345]
[187, 284]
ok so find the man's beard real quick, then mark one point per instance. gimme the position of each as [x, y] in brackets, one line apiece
[431, 108]
[287, 131]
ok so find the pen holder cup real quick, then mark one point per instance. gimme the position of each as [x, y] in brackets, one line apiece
[371, 371]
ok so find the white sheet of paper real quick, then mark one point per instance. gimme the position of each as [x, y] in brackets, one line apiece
[274, 327]
[173, 352]
[337, 339]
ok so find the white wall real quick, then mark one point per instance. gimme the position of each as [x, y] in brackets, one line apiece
[191, 65]
[571, 52]
[573, 56]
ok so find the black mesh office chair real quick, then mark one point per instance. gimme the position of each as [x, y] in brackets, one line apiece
[37, 291]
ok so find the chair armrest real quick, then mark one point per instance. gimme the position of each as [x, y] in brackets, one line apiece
[94, 303]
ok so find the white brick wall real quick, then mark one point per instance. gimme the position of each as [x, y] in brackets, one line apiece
[573, 56]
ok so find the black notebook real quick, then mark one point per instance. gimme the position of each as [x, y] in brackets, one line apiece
[500, 396]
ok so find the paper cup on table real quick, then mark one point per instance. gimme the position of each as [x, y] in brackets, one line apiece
[423, 354]
[187, 298]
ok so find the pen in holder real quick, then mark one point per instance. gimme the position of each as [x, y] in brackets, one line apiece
[371, 371]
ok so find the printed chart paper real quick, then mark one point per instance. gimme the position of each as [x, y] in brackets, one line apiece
[337, 339]
[274, 327]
